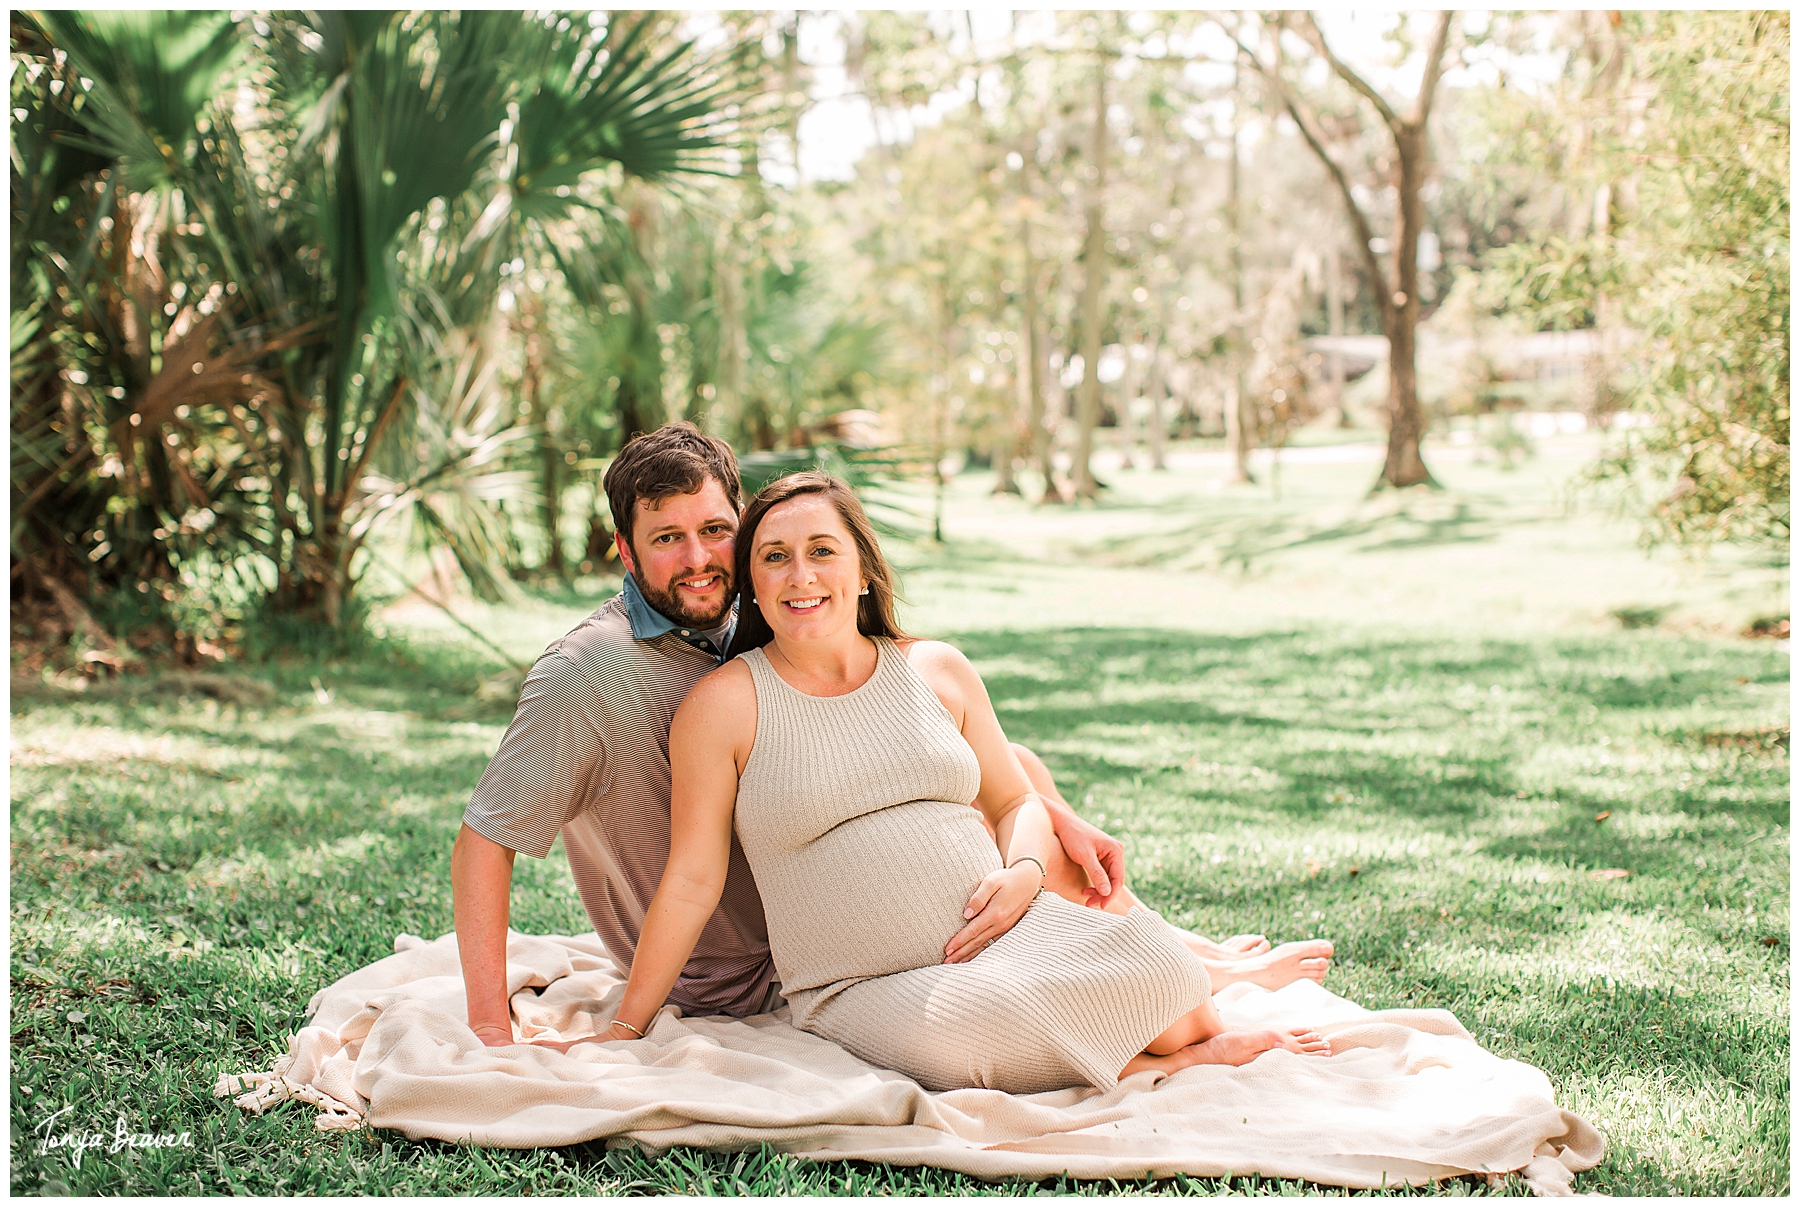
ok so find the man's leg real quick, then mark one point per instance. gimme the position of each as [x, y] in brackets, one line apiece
[1240, 958]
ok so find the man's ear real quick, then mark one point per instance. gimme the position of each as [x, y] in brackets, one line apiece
[624, 547]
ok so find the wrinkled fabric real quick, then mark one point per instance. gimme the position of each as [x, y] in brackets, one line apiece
[1407, 1096]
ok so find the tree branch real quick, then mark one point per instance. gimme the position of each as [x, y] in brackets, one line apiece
[1358, 220]
[1349, 76]
[1434, 68]
[376, 432]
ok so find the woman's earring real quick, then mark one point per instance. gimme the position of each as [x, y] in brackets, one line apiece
[753, 599]
[864, 591]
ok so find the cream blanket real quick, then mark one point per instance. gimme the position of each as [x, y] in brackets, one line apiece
[1408, 1096]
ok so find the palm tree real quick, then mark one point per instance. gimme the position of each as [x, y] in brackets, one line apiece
[327, 206]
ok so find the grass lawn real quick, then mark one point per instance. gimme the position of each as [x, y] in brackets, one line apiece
[1433, 729]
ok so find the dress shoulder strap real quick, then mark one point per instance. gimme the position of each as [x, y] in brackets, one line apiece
[760, 670]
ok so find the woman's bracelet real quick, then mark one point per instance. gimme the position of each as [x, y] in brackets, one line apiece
[621, 1022]
[1021, 859]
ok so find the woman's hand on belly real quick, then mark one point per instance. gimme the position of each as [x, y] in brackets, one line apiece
[1000, 900]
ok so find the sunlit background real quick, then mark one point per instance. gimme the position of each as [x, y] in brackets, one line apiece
[297, 300]
[1354, 453]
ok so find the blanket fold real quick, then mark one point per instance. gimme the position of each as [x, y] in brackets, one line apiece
[1408, 1095]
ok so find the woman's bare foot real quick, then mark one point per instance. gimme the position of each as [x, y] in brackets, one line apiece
[1230, 1048]
[1242, 1047]
[1308, 958]
[1238, 947]
[1245, 945]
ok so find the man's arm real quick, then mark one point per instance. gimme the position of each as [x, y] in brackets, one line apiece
[544, 769]
[1088, 847]
[481, 888]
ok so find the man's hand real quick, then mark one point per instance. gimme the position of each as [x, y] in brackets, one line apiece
[1000, 900]
[502, 1037]
[563, 1045]
[1092, 850]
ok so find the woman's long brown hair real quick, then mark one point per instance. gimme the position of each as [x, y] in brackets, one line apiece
[874, 611]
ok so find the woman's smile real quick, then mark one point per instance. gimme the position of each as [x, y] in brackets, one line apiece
[805, 572]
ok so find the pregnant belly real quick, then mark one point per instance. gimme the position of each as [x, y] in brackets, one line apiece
[878, 894]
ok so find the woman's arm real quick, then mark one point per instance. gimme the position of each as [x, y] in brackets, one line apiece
[707, 746]
[1006, 799]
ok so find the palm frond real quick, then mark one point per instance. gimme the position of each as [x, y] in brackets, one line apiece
[151, 74]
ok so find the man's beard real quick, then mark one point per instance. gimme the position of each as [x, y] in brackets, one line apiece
[666, 601]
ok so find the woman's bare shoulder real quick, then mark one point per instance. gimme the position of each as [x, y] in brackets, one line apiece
[720, 697]
[928, 656]
[949, 674]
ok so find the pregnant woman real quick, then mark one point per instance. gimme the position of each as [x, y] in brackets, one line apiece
[847, 756]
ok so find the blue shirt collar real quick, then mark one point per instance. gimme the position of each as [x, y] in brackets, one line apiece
[647, 623]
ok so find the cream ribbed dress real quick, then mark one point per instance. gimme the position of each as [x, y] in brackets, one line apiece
[854, 812]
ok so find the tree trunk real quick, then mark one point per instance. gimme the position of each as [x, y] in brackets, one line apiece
[315, 582]
[1034, 371]
[728, 277]
[1334, 290]
[1240, 423]
[1406, 426]
[1400, 308]
[633, 410]
[1129, 393]
[551, 461]
[1406, 422]
[790, 76]
[941, 412]
[549, 455]
[1087, 393]
[1156, 422]
[1006, 434]
[1036, 353]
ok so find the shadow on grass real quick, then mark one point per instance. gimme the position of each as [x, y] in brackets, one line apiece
[1429, 727]
[339, 813]
[1232, 535]
[278, 791]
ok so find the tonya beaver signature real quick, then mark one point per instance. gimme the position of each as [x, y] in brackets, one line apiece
[78, 1142]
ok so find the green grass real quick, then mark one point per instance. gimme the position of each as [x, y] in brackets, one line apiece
[1393, 723]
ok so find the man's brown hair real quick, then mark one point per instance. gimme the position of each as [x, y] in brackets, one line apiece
[675, 459]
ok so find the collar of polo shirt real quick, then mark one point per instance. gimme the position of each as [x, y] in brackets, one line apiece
[647, 623]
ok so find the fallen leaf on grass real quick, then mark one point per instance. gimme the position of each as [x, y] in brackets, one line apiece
[1609, 873]
[1603, 816]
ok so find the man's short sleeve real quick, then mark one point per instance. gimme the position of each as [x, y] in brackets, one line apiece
[549, 765]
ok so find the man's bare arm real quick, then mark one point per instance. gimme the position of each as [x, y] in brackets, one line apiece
[1099, 855]
[481, 889]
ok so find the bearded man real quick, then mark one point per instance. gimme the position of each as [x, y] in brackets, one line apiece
[587, 757]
